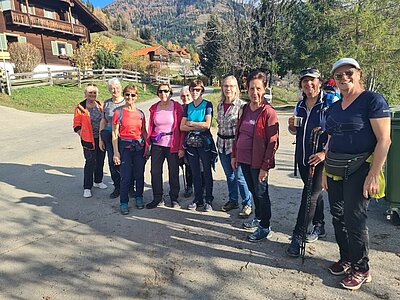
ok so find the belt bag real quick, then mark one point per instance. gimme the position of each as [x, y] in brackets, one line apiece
[195, 140]
[225, 137]
[343, 164]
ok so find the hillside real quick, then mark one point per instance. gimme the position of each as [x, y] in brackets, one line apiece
[131, 44]
[169, 20]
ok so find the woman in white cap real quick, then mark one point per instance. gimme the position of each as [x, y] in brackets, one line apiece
[358, 128]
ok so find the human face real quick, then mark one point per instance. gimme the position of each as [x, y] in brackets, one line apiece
[229, 89]
[310, 86]
[186, 97]
[347, 77]
[196, 92]
[91, 93]
[164, 93]
[130, 96]
[256, 91]
[115, 91]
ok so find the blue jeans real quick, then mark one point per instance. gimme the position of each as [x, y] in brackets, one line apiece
[114, 170]
[93, 170]
[193, 156]
[235, 180]
[260, 193]
[131, 162]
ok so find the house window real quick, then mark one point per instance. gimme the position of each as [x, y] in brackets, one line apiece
[5, 5]
[31, 9]
[51, 14]
[6, 39]
[61, 48]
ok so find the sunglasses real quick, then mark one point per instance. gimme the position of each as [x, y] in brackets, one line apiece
[197, 89]
[92, 93]
[163, 91]
[133, 95]
[348, 73]
[310, 71]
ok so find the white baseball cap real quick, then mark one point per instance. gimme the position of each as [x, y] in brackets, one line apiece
[345, 61]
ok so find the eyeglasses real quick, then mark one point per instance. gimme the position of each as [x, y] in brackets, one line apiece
[197, 89]
[163, 91]
[133, 95]
[92, 93]
[229, 86]
[348, 73]
[185, 96]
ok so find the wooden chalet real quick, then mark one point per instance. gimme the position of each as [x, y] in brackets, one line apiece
[182, 54]
[55, 27]
[155, 53]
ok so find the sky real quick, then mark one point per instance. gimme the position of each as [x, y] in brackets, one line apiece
[101, 3]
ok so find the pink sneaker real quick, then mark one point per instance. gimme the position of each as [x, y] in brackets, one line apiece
[354, 280]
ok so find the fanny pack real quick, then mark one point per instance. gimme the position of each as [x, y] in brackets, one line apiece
[156, 137]
[343, 164]
[134, 145]
[195, 140]
[226, 137]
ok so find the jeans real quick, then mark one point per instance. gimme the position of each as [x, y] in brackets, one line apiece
[158, 156]
[114, 170]
[316, 211]
[235, 181]
[259, 190]
[94, 162]
[349, 217]
[194, 155]
[131, 162]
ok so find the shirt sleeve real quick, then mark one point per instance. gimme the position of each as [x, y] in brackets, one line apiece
[378, 107]
[209, 108]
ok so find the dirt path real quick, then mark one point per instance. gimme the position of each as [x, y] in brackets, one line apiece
[56, 245]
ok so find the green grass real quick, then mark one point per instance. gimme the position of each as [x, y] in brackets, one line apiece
[62, 99]
[134, 45]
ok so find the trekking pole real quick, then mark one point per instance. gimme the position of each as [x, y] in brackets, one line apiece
[295, 159]
[315, 134]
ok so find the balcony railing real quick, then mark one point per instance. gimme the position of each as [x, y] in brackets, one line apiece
[22, 19]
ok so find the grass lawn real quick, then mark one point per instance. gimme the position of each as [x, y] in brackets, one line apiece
[61, 99]
[133, 45]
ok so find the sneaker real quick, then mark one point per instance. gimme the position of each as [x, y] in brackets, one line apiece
[175, 204]
[295, 245]
[188, 192]
[339, 268]
[259, 234]
[124, 209]
[355, 279]
[194, 205]
[100, 185]
[152, 204]
[114, 194]
[139, 202]
[251, 224]
[230, 205]
[207, 207]
[317, 232]
[245, 212]
[131, 192]
[87, 193]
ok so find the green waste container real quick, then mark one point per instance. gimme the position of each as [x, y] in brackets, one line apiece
[392, 169]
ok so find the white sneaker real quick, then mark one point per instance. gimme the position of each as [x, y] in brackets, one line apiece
[87, 193]
[100, 185]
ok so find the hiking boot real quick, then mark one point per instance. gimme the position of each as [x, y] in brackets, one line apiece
[87, 193]
[188, 192]
[207, 207]
[251, 224]
[124, 209]
[152, 204]
[317, 232]
[131, 192]
[114, 194]
[339, 268]
[175, 204]
[230, 205]
[139, 202]
[100, 185]
[294, 249]
[355, 279]
[245, 212]
[260, 234]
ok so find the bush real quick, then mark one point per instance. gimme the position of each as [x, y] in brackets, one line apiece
[25, 57]
[106, 59]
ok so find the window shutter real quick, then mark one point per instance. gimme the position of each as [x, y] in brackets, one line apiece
[22, 39]
[54, 48]
[3, 41]
[70, 50]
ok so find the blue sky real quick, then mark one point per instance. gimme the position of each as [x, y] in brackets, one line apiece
[100, 3]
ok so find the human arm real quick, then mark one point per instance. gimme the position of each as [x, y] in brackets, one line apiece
[381, 129]
[103, 124]
[115, 135]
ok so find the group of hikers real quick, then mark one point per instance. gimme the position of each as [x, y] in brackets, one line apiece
[341, 145]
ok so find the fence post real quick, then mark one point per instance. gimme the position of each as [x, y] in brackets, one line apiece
[103, 72]
[50, 78]
[8, 79]
[79, 78]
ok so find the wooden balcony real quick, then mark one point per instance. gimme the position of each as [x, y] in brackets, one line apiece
[22, 19]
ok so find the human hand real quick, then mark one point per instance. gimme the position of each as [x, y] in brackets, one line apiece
[316, 158]
[101, 145]
[324, 182]
[262, 176]
[117, 159]
[371, 185]
[234, 163]
[181, 153]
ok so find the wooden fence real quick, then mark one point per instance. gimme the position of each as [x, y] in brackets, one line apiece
[73, 76]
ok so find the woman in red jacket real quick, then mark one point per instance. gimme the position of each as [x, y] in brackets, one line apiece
[166, 142]
[87, 117]
[254, 149]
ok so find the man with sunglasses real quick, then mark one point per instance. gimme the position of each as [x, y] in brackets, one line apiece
[358, 124]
